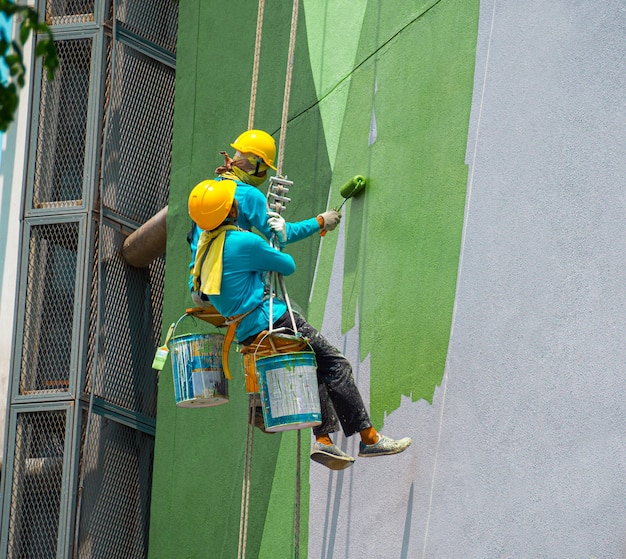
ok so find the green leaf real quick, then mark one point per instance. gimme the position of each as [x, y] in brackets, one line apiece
[24, 32]
[11, 54]
[41, 48]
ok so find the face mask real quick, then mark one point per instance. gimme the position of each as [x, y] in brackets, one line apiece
[247, 178]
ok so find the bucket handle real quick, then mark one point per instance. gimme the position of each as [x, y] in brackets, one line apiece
[278, 331]
[172, 330]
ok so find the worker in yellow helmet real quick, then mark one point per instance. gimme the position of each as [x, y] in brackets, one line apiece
[231, 276]
[255, 153]
[258, 143]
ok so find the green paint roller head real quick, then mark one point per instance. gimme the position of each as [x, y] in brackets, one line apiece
[348, 190]
[352, 187]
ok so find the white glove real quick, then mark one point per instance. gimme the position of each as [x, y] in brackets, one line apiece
[330, 218]
[277, 224]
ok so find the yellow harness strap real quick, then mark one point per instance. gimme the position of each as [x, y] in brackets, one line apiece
[228, 341]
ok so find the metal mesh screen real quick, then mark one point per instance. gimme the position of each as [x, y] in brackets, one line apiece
[93, 359]
[37, 481]
[137, 155]
[69, 11]
[49, 315]
[116, 491]
[130, 327]
[154, 20]
[60, 156]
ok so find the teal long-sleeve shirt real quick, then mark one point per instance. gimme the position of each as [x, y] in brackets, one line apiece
[253, 212]
[246, 258]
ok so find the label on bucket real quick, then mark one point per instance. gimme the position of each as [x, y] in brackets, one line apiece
[291, 392]
[160, 358]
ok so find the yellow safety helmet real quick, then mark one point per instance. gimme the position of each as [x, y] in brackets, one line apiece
[210, 202]
[259, 143]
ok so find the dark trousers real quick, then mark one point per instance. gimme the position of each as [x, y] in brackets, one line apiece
[340, 399]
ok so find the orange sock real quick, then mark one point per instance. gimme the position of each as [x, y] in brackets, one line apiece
[324, 439]
[369, 435]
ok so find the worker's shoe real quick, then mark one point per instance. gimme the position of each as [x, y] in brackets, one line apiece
[384, 446]
[331, 456]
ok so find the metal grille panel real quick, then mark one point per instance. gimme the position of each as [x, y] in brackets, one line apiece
[60, 157]
[49, 316]
[116, 491]
[90, 322]
[37, 481]
[154, 20]
[137, 165]
[130, 329]
[60, 12]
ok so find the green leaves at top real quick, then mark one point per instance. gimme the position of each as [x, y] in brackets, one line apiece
[11, 55]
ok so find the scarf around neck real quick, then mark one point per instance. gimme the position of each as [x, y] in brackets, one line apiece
[209, 264]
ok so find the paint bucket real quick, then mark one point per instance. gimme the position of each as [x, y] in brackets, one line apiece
[265, 345]
[199, 379]
[289, 391]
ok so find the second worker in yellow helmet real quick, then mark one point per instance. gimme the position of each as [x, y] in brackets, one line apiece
[255, 153]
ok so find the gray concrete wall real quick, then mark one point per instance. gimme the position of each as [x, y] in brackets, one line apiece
[533, 432]
[522, 453]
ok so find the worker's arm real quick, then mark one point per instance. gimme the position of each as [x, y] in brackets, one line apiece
[255, 211]
[260, 256]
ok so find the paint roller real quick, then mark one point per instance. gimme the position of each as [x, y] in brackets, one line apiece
[348, 190]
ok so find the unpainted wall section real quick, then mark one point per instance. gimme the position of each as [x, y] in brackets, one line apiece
[521, 452]
[530, 460]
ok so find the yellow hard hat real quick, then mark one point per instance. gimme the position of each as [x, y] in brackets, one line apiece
[259, 143]
[210, 202]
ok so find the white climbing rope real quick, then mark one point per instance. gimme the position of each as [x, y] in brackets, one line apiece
[287, 94]
[255, 65]
[247, 468]
[245, 486]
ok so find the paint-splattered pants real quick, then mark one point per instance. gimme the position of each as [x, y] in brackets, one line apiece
[340, 399]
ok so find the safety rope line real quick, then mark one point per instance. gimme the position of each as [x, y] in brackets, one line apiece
[245, 483]
[279, 167]
[296, 512]
[245, 486]
[255, 65]
[287, 94]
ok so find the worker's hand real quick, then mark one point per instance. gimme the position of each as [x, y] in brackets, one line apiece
[329, 220]
[277, 224]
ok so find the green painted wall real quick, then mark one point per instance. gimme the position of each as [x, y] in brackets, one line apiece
[412, 63]
[414, 72]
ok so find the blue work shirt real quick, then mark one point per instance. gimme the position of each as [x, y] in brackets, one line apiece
[246, 258]
[252, 207]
